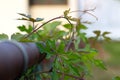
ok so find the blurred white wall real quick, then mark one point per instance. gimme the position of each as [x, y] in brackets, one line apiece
[74, 5]
[8, 14]
[47, 11]
[107, 12]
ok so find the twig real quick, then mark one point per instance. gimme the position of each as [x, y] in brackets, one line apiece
[71, 37]
[86, 11]
[43, 25]
[72, 76]
[83, 10]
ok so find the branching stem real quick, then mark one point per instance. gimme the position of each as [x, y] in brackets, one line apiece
[43, 25]
[86, 11]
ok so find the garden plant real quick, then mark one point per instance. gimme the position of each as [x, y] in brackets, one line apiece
[69, 54]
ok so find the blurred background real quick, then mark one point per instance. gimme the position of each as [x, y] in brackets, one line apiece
[107, 12]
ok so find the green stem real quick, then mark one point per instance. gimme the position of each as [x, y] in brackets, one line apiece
[71, 37]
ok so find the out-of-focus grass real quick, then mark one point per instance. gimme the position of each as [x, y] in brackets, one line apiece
[112, 49]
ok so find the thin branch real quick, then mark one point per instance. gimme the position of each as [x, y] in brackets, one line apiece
[65, 74]
[72, 76]
[92, 15]
[43, 25]
[86, 11]
[71, 37]
[38, 73]
[70, 24]
[83, 10]
[33, 25]
[82, 75]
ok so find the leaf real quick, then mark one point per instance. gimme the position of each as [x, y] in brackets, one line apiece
[81, 26]
[54, 75]
[25, 40]
[74, 70]
[83, 37]
[77, 42]
[22, 19]
[68, 26]
[66, 12]
[23, 28]
[29, 29]
[16, 36]
[61, 47]
[50, 27]
[39, 19]
[3, 36]
[27, 16]
[107, 39]
[38, 77]
[55, 24]
[97, 32]
[41, 47]
[31, 19]
[45, 48]
[73, 19]
[57, 64]
[105, 33]
[60, 34]
[99, 63]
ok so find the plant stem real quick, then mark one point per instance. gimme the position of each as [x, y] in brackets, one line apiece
[71, 37]
[33, 23]
[72, 76]
[43, 25]
[86, 11]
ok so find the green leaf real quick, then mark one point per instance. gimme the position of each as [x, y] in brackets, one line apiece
[105, 33]
[27, 16]
[31, 19]
[60, 34]
[99, 63]
[39, 19]
[25, 40]
[80, 27]
[23, 28]
[22, 19]
[83, 37]
[57, 64]
[17, 36]
[51, 26]
[74, 70]
[97, 32]
[61, 47]
[66, 12]
[68, 26]
[107, 39]
[41, 47]
[51, 44]
[38, 77]
[77, 42]
[45, 48]
[3, 36]
[54, 75]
